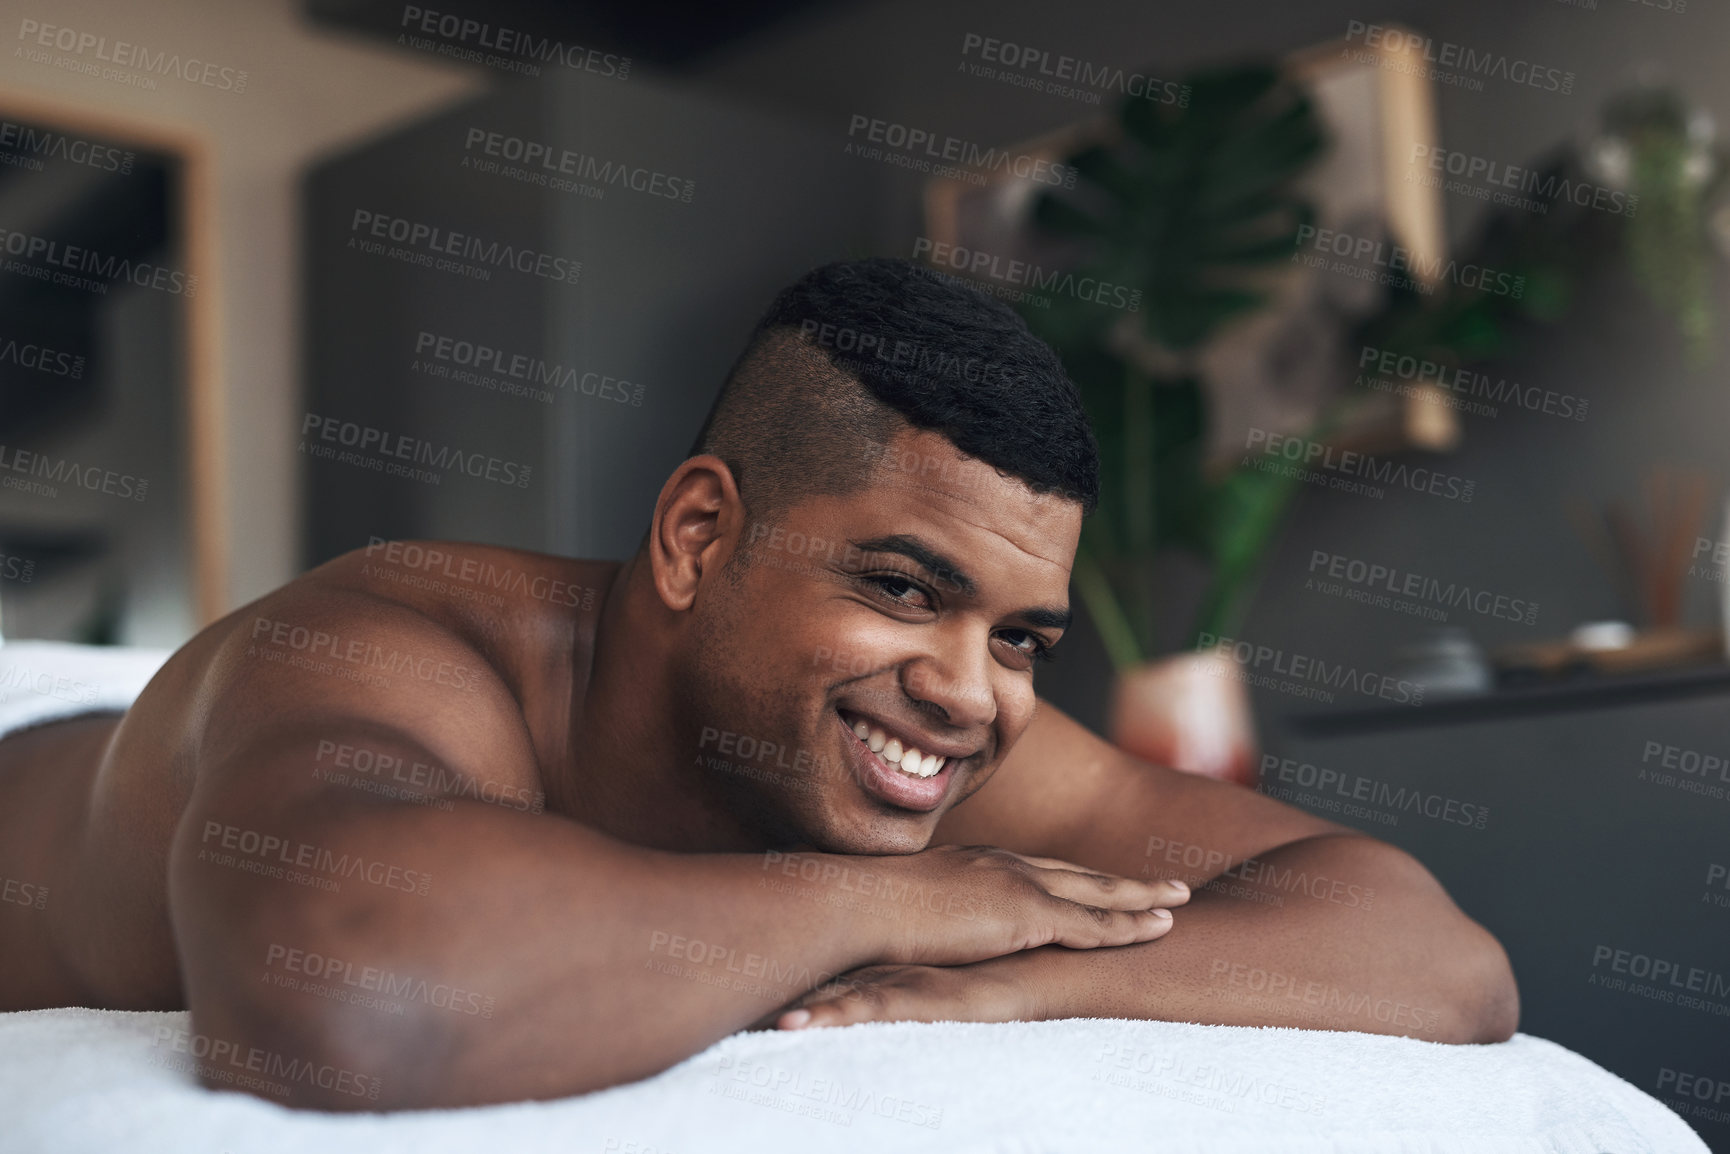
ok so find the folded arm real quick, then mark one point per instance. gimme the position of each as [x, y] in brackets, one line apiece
[1295, 920]
[1286, 951]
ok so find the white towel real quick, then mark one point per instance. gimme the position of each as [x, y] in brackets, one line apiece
[43, 681]
[88, 1081]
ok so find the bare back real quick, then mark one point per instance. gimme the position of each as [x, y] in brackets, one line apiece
[89, 806]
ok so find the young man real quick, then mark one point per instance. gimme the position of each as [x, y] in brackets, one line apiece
[471, 824]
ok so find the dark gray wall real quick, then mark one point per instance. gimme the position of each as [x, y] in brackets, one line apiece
[667, 292]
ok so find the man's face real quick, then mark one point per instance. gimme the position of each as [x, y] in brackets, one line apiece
[913, 609]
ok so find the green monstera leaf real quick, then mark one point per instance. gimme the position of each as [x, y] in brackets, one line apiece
[1189, 205]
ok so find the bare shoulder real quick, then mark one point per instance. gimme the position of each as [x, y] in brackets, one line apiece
[472, 587]
[319, 659]
[469, 648]
[1064, 792]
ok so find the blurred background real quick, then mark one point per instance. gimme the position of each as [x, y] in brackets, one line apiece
[1413, 387]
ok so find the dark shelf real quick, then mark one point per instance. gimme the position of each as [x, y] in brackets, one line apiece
[1536, 699]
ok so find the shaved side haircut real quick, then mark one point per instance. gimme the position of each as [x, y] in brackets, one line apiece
[856, 351]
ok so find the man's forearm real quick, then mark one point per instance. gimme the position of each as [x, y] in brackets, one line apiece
[578, 962]
[1285, 943]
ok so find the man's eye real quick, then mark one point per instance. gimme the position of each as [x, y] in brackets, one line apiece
[898, 588]
[1030, 645]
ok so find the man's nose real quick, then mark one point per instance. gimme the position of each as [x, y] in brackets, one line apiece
[959, 687]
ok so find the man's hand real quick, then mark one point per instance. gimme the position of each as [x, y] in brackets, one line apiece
[977, 960]
[999, 990]
[965, 904]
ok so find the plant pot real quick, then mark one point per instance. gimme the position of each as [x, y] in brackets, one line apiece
[1187, 711]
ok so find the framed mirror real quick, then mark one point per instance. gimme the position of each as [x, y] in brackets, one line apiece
[107, 423]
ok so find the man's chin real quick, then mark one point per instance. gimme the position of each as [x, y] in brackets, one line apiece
[875, 838]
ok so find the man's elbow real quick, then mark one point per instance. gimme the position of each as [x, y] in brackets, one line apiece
[1482, 1002]
[1473, 979]
[1498, 994]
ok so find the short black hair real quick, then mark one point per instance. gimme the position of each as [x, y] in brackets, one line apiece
[853, 351]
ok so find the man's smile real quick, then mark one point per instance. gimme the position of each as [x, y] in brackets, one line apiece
[898, 764]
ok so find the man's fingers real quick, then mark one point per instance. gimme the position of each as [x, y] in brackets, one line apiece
[1091, 927]
[1109, 890]
[856, 1002]
[1050, 863]
[1112, 893]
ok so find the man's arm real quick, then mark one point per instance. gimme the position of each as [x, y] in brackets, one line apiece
[372, 952]
[1294, 921]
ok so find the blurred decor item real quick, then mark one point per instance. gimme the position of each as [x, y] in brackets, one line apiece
[1647, 552]
[1661, 150]
[1187, 711]
[1446, 663]
[1646, 651]
[1603, 636]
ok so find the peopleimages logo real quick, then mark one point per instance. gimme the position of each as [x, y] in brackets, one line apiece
[546, 165]
[514, 47]
[921, 147]
[978, 263]
[526, 372]
[1319, 675]
[1024, 66]
[1399, 259]
[61, 471]
[1373, 580]
[119, 52]
[1484, 179]
[1466, 384]
[323, 969]
[31, 145]
[912, 360]
[1448, 63]
[40, 358]
[1355, 787]
[56, 256]
[1347, 469]
[437, 242]
[365, 438]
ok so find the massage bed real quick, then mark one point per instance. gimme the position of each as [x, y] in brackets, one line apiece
[80, 1080]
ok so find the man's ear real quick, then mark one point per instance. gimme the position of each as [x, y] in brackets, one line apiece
[697, 521]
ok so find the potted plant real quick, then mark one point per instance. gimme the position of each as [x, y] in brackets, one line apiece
[1196, 206]
[1187, 204]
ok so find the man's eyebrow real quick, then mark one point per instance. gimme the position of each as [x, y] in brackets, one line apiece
[918, 551]
[1057, 619]
[924, 555]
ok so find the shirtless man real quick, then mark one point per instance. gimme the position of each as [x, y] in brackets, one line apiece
[545, 826]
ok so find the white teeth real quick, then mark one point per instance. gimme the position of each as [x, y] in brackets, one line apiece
[905, 758]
